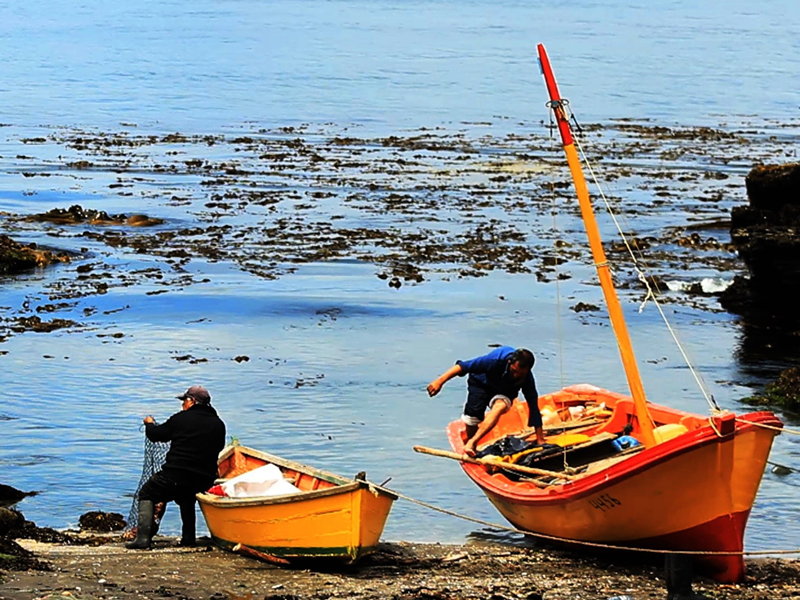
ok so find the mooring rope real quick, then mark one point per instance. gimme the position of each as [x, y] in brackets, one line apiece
[554, 538]
[772, 427]
[790, 469]
[714, 427]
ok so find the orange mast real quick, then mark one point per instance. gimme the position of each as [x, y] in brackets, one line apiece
[599, 255]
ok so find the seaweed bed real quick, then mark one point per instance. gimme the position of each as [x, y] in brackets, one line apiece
[429, 204]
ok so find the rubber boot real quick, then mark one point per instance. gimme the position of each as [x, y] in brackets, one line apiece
[187, 524]
[144, 527]
[679, 574]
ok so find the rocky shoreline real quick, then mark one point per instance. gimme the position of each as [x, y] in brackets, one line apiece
[420, 234]
[400, 571]
[40, 562]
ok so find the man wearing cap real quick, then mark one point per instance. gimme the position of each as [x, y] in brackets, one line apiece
[196, 435]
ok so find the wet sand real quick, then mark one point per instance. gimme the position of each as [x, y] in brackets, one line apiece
[398, 570]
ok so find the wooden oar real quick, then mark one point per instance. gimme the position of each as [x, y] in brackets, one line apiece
[253, 553]
[599, 465]
[573, 425]
[492, 463]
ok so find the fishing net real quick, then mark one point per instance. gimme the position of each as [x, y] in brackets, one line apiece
[155, 454]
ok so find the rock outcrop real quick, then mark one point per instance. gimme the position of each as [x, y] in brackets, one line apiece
[766, 234]
[17, 258]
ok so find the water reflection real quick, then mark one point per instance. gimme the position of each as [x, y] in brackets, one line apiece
[764, 351]
[26, 460]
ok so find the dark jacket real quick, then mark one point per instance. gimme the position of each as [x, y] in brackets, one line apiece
[197, 436]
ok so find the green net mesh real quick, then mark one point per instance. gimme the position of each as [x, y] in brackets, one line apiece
[155, 454]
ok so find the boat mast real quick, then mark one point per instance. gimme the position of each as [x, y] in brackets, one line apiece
[599, 255]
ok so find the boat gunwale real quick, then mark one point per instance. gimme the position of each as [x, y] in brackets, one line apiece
[228, 502]
[343, 485]
[284, 462]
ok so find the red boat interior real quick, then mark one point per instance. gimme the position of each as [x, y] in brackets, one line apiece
[588, 429]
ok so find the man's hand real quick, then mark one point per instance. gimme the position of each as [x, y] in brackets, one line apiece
[469, 449]
[434, 387]
[149, 419]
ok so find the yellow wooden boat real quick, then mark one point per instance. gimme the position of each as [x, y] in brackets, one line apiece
[331, 516]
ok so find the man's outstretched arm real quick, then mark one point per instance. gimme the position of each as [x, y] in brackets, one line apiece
[437, 384]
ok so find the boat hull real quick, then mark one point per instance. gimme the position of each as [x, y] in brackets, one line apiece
[693, 492]
[341, 519]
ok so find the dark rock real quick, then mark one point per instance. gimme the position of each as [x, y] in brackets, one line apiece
[14, 557]
[101, 521]
[17, 258]
[585, 307]
[29, 531]
[76, 214]
[771, 187]
[38, 325]
[784, 392]
[11, 495]
[10, 519]
[766, 235]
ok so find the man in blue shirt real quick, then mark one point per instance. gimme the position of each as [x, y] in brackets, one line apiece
[495, 379]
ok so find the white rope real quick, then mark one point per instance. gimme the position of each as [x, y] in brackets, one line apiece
[554, 538]
[771, 427]
[650, 295]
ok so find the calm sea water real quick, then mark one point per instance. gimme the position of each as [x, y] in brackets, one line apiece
[338, 360]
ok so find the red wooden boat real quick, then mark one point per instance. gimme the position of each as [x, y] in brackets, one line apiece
[688, 486]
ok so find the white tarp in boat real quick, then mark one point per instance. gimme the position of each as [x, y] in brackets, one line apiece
[263, 481]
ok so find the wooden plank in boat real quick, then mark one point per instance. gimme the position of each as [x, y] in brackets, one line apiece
[595, 440]
[611, 461]
[575, 427]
